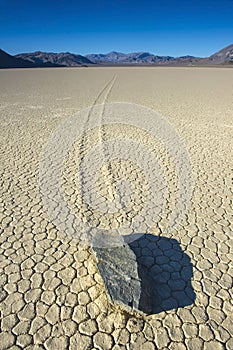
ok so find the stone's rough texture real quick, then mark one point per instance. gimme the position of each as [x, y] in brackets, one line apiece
[119, 270]
[136, 286]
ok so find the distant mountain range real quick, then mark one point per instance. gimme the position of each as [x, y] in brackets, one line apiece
[42, 59]
[135, 58]
[224, 56]
[67, 59]
[8, 61]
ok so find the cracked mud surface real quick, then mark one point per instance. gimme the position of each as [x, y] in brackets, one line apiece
[51, 294]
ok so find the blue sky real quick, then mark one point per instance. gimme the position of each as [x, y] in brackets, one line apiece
[91, 26]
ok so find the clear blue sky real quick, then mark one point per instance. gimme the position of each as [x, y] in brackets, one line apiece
[91, 26]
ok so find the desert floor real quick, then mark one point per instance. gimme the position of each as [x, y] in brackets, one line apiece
[52, 296]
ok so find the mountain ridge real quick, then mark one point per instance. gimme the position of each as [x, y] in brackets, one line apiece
[224, 55]
[9, 61]
[132, 57]
[68, 59]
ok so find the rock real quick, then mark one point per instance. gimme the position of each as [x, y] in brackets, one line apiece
[127, 284]
[132, 283]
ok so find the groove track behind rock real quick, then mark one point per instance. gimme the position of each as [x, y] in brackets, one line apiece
[104, 94]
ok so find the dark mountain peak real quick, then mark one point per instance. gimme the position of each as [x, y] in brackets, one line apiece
[223, 56]
[225, 49]
[66, 59]
[9, 61]
[3, 52]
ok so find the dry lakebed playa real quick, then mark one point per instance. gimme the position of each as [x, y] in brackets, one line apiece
[52, 294]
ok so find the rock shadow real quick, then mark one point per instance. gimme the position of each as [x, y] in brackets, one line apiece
[165, 272]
